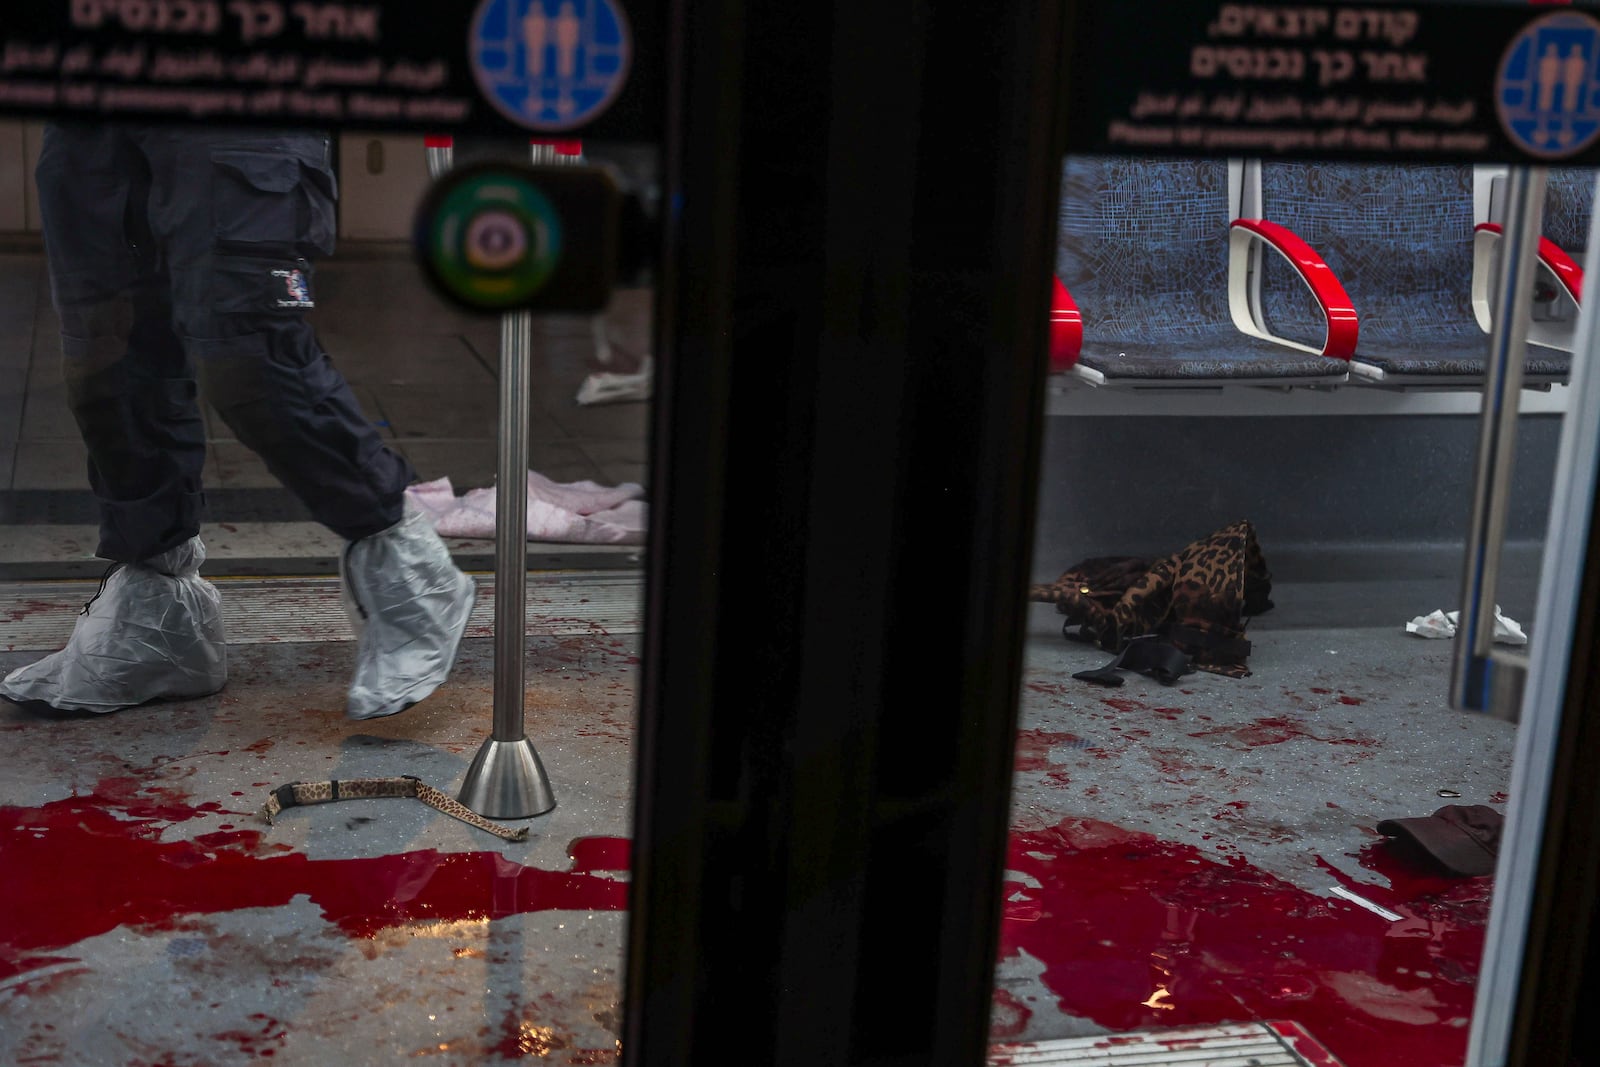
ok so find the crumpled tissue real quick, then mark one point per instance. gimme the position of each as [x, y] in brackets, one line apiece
[1443, 624]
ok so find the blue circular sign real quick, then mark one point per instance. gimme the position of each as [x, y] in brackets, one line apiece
[1548, 88]
[550, 65]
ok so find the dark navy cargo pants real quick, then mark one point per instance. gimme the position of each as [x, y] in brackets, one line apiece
[181, 263]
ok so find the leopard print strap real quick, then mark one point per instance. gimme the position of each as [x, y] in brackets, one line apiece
[296, 794]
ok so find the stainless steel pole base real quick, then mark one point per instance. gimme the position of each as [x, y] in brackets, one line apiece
[507, 781]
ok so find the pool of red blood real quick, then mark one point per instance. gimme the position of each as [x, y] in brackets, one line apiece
[1132, 932]
[103, 860]
[1136, 933]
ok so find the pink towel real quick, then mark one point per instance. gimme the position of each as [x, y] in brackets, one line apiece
[584, 512]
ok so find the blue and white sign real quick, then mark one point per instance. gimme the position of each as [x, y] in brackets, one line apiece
[551, 65]
[1548, 89]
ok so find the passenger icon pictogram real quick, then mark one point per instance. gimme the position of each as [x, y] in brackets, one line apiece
[551, 65]
[1547, 91]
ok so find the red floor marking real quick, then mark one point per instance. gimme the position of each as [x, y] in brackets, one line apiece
[97, 862]
[1137, 934]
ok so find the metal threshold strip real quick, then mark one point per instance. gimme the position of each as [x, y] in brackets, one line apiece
[1274, 1044]
[38, 616]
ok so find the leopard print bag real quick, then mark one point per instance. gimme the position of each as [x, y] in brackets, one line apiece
[1195, 600]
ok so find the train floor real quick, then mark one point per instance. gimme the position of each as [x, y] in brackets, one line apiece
[1176, 850]
[1175, 859]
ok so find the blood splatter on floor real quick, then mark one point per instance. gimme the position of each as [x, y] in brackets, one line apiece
[1132, 932]
[1136, 933]
[96, 862]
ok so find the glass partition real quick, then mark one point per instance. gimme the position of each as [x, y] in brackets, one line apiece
[1245, 815]
[168, 900]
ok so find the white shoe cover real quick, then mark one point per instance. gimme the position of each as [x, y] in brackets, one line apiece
[409, 604]
[154, 632]
[607, 387]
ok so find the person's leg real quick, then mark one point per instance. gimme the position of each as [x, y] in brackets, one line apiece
[154, 630]
[129, 384]
[241, 215]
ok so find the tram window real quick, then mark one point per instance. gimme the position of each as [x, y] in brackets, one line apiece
[1233, 685]
[389, 397]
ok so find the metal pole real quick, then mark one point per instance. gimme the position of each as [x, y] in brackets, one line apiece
[507, 780]
[1485, 678]
[511, 526]
[440, 152]
[547, 153]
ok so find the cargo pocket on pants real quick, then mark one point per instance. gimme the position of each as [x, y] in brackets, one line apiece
[280, 201]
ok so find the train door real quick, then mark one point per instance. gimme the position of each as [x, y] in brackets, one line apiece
[896, 808]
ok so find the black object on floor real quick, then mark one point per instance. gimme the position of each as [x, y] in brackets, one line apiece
[1461, 839]
[1195, 600]
[1162, 660]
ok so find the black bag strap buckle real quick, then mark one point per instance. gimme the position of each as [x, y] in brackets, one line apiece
[1149, 654]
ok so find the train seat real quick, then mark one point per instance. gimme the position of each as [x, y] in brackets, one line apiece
[1400, 238]
[1563, 247]
[1144, 251]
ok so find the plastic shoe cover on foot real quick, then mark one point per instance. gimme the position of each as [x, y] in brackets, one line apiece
[409, 604]
[154, 632]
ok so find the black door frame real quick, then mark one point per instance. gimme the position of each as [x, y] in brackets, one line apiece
[859, 243]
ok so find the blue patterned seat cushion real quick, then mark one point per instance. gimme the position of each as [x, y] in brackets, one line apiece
[1568, 205]
[1450, 360]
[1234, 357]
[1400, 240]
[1144, 253]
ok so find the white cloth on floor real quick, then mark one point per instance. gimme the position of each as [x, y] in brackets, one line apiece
[584, 512]
[1443, 624]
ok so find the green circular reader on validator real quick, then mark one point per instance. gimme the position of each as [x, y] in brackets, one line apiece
[490, 238]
